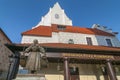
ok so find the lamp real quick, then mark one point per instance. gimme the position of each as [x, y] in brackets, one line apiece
[11, 57]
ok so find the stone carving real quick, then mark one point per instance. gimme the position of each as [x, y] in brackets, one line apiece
[36, 58]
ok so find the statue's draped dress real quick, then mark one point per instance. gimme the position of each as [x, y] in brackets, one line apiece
[34, 57]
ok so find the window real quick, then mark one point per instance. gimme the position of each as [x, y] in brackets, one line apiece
[89, 41]
[109, 43]
[70, 41]
[60, 27]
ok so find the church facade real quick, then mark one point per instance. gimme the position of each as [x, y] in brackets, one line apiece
[75, 53]
[56, 27]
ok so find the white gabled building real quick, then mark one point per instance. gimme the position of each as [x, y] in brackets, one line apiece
[56, 27]
[62, 34]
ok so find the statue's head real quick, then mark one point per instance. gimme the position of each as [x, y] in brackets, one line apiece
[35, 41]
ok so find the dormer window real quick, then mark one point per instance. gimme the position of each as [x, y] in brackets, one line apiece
[109, 43]
[61, 27]
[70, 41]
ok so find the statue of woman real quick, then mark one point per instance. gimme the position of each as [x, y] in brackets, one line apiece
[36, 53]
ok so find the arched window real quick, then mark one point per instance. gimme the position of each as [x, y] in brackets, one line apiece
[70, 41]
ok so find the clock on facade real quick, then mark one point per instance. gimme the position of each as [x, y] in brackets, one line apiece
[57, 16]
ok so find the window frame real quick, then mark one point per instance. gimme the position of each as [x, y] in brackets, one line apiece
[109, 42]
[61, 27]
[70, 41]
[89, 41]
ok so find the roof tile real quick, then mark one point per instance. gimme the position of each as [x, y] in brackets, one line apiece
[76, 46]
[47, 31]
[80, 46]
[39, 31]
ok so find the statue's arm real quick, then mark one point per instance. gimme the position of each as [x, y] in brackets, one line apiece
[42, 50]
[27, 49]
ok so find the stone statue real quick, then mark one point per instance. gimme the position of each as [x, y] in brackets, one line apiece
[36, 55]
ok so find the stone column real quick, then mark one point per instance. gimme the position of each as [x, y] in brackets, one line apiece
[110, 70]
[66, 69]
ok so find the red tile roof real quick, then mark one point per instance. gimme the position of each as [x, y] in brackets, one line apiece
[47, 31]
[39, 31]
[80, 46]
[76, 46]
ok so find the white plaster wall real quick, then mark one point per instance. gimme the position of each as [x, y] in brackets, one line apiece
[41, 39]
[46, 20]
[49, 18]
[61, 37]
[78, 38]
[63, 19]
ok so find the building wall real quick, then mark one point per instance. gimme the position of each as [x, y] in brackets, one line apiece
[4, 53]
[78, 38]
[41, 39]
[86, 71]
[101, 40]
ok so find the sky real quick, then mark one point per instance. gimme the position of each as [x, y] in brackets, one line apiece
[17, 16]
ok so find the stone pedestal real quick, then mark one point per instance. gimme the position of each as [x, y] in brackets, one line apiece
[30, 77]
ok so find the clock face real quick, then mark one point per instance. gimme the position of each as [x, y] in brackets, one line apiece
[56, 16]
